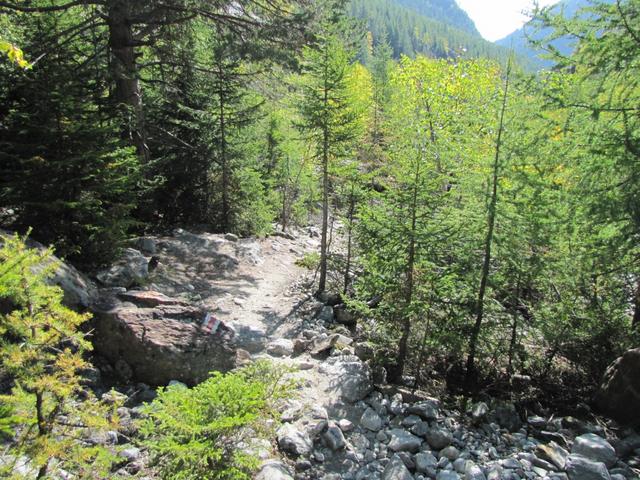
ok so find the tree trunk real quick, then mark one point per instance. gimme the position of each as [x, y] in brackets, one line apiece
[636, 313]
[283, 216]
[322, 283]
[403, 347]
[514, 328]
[491, 220]
[423, 353]
[350, 218]
[127, 94]
[224, 161]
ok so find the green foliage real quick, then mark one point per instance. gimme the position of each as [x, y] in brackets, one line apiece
[207, 432]
[64, 170]
[7, 421]
[310, 261]
[329, 111]
[195, 120]
[413, 229]
[288, 169]
[41, 348]
[136, 122]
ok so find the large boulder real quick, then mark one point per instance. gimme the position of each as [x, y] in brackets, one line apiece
[350, 378]
[293, 441]
[162, 339]
[619, 393]
[396, 470]
[581, 468]
[132, 268]
[403, 441]
[595, 448]
[506, 415]
[273, 470]
[79, 292]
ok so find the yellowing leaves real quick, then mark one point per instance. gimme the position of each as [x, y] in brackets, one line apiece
[360, 91]
[14, 54]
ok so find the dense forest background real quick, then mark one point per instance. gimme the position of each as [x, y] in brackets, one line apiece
[491, 216]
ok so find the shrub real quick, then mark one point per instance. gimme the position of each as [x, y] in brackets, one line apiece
[310, 261]
[196, 433]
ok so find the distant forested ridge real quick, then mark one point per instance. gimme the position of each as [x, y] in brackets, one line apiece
[445, 11]
[520, 42]
[445, 33]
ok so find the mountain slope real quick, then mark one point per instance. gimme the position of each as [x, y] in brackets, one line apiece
[411, 33]
[445, 11]
[518, 40]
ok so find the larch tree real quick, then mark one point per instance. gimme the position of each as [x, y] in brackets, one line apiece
[327, 118]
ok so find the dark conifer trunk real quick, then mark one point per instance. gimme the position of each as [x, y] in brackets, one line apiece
[403, 347]
[322, 283]
[127, 94]
[636, 313]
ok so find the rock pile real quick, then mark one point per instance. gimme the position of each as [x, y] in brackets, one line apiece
[394, 440]
[369, 434]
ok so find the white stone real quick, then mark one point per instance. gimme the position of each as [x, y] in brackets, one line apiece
[595, 448]
[403, 441]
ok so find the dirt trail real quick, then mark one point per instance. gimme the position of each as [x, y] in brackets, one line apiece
[253, 285]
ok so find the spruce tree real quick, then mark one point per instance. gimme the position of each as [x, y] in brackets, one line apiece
[63, 169]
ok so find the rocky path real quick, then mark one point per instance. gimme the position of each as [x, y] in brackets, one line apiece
[252, 285]
[343, 424]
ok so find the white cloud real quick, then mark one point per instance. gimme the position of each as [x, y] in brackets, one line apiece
[496, 19]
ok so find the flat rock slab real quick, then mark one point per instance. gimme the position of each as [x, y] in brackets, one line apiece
[150, 299]
[163, 343]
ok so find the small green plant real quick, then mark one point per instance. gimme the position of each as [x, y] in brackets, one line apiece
[309, 261]
[195, 433]
[41, 349]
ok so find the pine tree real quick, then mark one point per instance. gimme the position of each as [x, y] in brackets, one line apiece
[408, 236]
[491, 222]
[600, 99]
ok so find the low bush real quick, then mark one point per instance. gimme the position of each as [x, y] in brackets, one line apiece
[197, 433]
